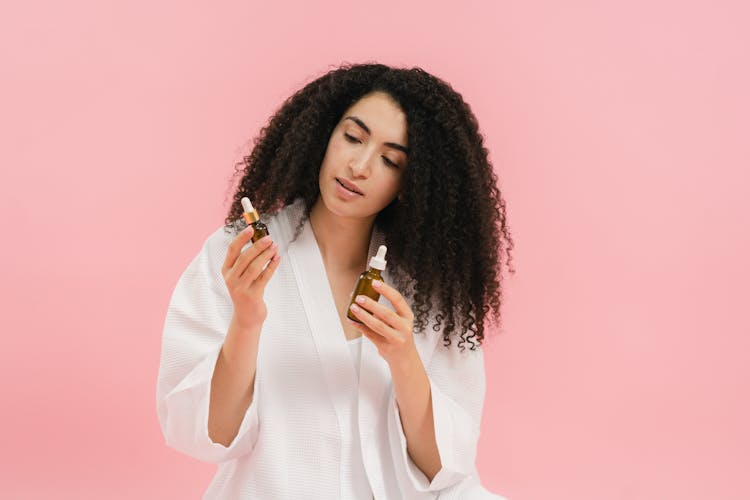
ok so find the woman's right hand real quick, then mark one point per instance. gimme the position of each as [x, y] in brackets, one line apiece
[246, 279]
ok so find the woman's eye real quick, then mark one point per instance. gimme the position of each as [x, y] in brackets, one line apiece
[355, 140]
[389, 162]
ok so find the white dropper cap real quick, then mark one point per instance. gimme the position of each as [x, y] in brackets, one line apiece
[378, 261]
[246, 205]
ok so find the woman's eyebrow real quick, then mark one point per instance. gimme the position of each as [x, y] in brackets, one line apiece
[393, 145]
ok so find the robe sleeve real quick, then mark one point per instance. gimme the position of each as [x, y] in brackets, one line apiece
[197, 319]
[457, 384]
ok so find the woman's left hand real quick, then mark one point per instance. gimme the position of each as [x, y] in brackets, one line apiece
[390, 331]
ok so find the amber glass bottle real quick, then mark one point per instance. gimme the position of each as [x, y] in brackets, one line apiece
[253, 219]
[364, 283]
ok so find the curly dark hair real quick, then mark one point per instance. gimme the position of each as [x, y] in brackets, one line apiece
[443, 236]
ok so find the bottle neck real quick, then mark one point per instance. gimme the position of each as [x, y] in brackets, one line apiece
[251, 217]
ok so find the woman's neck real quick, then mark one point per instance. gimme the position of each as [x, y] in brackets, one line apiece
[344, 242]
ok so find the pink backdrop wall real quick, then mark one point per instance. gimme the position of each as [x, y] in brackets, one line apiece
[619, 133]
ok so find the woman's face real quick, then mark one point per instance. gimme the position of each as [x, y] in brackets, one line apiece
[368, 152]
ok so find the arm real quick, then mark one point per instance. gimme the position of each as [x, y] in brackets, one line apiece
[456, 397]
[434, 414]
[198, 324]
[232, 383]
[411, 387]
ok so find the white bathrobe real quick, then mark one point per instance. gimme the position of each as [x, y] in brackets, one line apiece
[318, 427]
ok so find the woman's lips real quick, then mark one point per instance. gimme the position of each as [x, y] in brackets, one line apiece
[349, 186]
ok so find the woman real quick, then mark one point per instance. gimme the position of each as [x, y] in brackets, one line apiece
[261, 370]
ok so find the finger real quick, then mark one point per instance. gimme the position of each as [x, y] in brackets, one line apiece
[372, 322]
[385, 314]
[394, 297]
[363, 328]
[265, 275]
[375, 338]
[235, 247]
[248, 255]
[256, 266]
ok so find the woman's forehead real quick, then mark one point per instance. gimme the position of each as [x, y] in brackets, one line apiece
[377, 114]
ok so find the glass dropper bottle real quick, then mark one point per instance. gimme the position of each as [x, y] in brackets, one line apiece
[253, 219]
[364, 283]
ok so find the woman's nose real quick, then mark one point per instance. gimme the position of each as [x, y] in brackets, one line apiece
[360, 166]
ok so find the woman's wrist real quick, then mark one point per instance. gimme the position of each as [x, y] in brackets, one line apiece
[240, 347]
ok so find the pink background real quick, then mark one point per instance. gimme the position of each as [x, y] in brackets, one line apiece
[619, 132]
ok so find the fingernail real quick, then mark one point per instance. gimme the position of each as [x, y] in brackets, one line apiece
[355, 307]
[360, 299]
[376, 283]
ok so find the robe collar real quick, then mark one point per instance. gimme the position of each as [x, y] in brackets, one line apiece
[374, 384]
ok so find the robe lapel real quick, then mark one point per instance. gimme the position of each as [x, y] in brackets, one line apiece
[328, 335]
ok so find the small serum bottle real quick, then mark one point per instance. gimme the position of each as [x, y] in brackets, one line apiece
[364, 284]
[253, 219]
